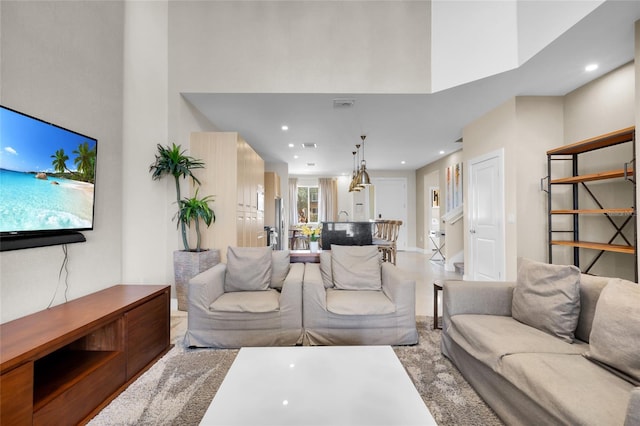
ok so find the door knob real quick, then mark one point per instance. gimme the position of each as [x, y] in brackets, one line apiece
[472, 231]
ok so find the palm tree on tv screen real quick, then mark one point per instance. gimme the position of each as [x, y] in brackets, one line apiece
[85, 160]
[60, 161]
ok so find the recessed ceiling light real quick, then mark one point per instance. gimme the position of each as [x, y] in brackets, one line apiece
[441, 152]
[295, 156]
[291, 145]
[403, 162]
[591, 67]
[285, 127]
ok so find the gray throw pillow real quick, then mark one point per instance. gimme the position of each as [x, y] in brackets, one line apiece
[356, 267]
[248, 269]
[280, 264]
[590, 288]
[615, 334]
[547, 297]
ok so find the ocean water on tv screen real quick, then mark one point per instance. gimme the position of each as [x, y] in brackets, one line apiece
[31, 204]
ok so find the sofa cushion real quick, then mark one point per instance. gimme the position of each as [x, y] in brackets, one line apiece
[248, 269]
[633, 410]
[280, 264]
[575, 390]
[325, 268]
[590, 288]
[547, 297]
[356, 267]
[248, 301]
[361, 302]
[489, 338]
[615, 335]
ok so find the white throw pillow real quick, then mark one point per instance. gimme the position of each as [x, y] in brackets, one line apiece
[547, 297]
[248, 269]
[356, 267]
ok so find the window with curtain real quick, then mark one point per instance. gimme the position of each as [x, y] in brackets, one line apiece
[308, 204]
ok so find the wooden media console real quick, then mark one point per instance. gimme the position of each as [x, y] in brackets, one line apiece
[62, 365]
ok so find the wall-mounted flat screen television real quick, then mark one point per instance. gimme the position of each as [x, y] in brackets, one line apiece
[47, 177]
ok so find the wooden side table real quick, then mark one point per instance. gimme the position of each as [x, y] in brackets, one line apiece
[437, 286]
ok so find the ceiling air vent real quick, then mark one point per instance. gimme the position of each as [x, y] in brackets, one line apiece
[343, 103]
[459, 140]
[309, 145]
[311, 164]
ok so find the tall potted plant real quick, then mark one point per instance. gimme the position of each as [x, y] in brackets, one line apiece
[171, 160]
[187, 263]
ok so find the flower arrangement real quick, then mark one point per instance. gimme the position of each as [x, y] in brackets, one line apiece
[312, 233]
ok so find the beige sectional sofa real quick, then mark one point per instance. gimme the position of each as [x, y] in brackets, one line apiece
[542, 353]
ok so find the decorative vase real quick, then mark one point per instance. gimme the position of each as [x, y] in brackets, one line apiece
[188, 264]
[313, 246]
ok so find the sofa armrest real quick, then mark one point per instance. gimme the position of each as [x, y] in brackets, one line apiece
[476, 297]
[291, 295]
[397, 286]
[633, 409]
[206, 287]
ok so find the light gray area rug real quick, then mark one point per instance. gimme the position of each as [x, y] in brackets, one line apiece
[178, 389]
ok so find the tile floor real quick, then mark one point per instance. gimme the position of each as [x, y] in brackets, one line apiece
[414, 264]
[424, 272]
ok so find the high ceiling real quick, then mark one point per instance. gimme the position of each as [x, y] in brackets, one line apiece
[414, 129]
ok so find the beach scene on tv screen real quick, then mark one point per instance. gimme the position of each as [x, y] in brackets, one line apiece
[47, 176]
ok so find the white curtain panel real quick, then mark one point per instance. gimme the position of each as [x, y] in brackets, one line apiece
[328, 199]
[293, 201]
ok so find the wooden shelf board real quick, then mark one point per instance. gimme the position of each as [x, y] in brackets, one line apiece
[611, 174]
[596, 246]
[603, 141]
[62, 369]
[618, 212]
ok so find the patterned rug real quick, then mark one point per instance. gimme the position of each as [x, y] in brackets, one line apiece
[178, 389]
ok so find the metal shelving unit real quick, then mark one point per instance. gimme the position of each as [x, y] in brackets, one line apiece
[570, 153]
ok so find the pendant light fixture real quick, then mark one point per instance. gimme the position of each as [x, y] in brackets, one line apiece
[363, 176]
[354, 186]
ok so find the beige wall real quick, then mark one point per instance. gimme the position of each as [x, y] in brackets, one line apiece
[299, 47]
[75, 82]
[540, 128]
[146, 237]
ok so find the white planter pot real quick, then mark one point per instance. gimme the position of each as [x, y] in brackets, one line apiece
[188, 264]
[313, 246]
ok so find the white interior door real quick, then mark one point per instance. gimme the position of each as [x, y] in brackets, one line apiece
[486, 217]
[391, 203]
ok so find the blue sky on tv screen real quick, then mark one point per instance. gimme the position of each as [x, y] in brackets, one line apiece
[27, 144]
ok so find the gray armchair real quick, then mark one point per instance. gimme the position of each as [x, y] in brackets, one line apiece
[255, 299]
[351, 298]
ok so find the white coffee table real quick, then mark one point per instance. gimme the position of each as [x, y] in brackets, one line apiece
[322, 385]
